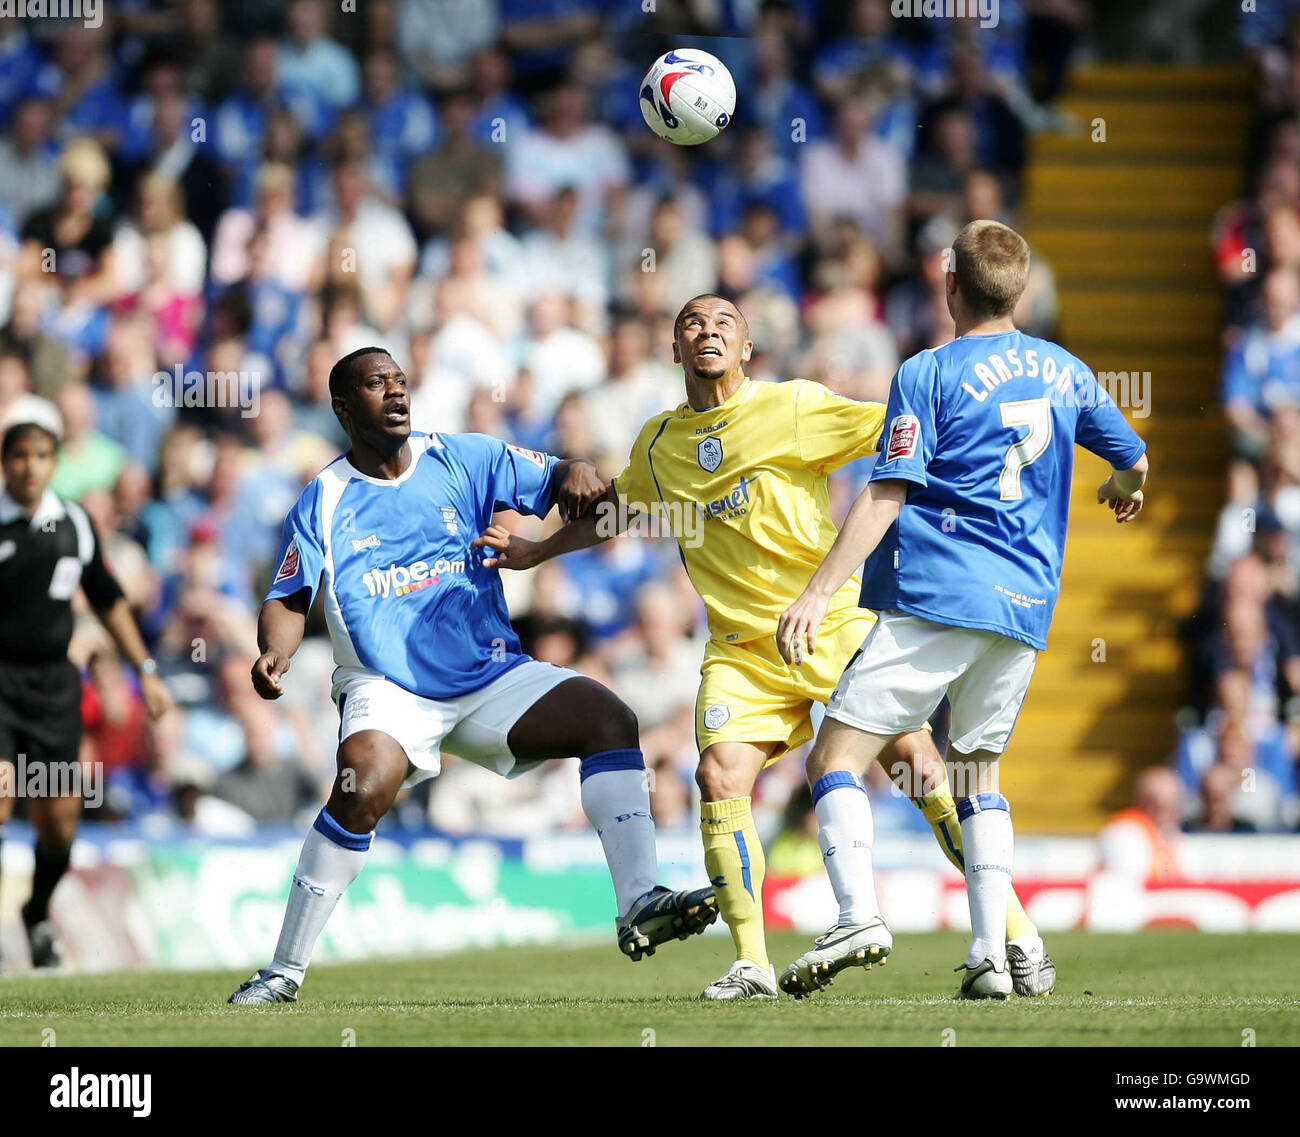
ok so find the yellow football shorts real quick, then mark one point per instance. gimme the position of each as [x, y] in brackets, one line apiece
[748, 693]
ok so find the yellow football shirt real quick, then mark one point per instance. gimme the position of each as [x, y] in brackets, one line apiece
[743, 489]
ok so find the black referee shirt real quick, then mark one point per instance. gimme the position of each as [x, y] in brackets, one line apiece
[42, 560]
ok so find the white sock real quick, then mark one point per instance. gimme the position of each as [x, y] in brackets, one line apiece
[988, 841]
[331, 859]
[616, 800]
[846, 833]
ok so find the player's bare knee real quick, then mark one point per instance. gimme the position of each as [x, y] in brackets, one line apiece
[974, 773]
[613, 727]
[359, 806]
[913, 765]
[718, 779]
[371, 767]
[819, 762]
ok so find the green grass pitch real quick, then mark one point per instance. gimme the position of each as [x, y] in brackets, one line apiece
[1155, 988]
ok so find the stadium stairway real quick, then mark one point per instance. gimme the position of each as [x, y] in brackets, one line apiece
[1125, 225]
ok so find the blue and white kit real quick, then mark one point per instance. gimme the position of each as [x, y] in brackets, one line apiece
[984, 430]
[423, 646]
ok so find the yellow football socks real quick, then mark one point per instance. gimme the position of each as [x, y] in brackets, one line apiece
[733, 858]
[941, 812]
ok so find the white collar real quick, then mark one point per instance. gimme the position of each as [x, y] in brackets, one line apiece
[419, 444]
[49, 508]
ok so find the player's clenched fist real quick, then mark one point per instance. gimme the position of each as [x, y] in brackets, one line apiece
[512, 551]
[267, 670]
[798, 625]
[578, 489]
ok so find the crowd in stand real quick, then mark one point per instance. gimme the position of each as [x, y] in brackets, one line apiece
[203, 188]
[1236, 760]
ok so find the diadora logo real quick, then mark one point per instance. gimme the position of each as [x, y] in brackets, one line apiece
[371, 542]
[728, 503]
[398, 580]
[314, 889]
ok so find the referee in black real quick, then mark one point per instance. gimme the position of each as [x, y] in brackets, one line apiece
[48, 548]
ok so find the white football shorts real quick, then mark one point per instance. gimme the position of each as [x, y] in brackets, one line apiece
[906, 666]
[473, 726]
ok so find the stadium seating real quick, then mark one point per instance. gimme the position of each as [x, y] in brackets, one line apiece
[1137, 293]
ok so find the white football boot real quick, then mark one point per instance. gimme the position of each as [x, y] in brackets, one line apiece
[856, 945]
[1033, 973]
[986, 980]
[743, 980]
[265, 986]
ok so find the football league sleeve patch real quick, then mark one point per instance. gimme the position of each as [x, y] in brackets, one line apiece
[907, 443]
[301, 560]
[523, 480]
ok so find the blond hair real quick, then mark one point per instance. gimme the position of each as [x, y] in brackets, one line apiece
[991, 263]
[167, 191]
[84, 163]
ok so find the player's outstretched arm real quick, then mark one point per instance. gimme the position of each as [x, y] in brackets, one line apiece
[1122, 491]
[868, 521]
[514, 552]
[280, 628]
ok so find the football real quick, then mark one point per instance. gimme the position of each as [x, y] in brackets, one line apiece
[688, 96]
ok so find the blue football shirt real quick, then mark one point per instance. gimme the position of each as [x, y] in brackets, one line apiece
[404, 594]
[984, 428]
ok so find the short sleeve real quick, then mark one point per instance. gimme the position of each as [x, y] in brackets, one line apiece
[1103, 429]
[521, 479]
[908, 442]
[302, 557]
[832, 431]
[635, 485]
[99, 585]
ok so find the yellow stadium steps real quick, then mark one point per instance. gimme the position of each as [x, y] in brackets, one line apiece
[1125, 225]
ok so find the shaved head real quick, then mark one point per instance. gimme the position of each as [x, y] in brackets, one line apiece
[709, 301]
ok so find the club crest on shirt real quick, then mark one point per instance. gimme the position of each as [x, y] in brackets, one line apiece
[904, 432]
[450, 520]
[288, 566]
[709, 452]
[716, 715]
